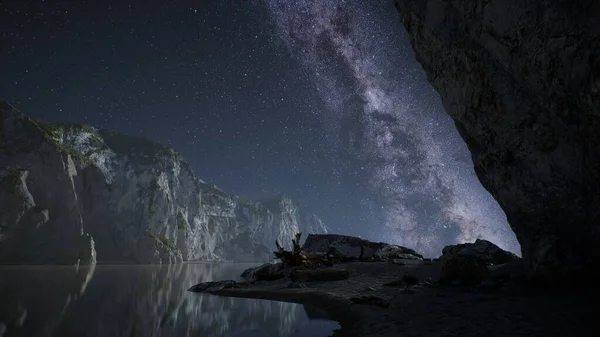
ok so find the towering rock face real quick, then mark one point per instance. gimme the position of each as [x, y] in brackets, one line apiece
[73, 194]
[521, 79]
[291, 219]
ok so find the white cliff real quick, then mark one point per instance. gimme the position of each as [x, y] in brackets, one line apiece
[71, 193]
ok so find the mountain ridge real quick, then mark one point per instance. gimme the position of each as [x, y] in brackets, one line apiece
[126, 198]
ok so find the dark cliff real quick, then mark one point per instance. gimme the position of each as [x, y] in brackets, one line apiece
[521, 79]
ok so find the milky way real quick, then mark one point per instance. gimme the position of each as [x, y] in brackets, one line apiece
[321, 100]
[380, 111]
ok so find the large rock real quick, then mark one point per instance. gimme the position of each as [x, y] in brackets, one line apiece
[266, 272]
[521, 80]
[388, 252]
[483, 250]
[72, 194]
[348, 248]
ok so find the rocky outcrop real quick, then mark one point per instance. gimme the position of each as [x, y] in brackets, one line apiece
[521, 80]
[349, 248]
[266, 272]
[482, 250]
[212, 286]
[72, 194]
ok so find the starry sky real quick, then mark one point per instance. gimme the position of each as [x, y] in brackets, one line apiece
[322, 101]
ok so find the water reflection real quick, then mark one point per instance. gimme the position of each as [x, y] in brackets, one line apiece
[139, 301]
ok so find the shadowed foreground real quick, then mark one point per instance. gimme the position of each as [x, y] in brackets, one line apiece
[427, 309]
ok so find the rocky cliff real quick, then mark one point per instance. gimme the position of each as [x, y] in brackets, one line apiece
[521, 79]
[71, 193]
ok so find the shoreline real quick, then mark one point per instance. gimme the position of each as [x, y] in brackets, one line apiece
[334, 308]
[332, 298]
[431, 310]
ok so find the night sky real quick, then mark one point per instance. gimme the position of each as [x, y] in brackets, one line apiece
[322, 101]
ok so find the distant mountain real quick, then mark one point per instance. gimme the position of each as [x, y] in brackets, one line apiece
[74, 194]
[290, 213]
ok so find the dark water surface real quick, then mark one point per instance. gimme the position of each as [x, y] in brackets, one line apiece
[140, 300]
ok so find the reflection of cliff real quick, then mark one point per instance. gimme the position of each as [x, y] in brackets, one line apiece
[154, 301]
[33, 300]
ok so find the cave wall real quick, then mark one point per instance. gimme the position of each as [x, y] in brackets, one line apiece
[521, 80]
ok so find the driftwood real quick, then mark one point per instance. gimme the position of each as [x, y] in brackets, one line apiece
[298, 258]
[295, 257]
[316, 259]
[315, 275]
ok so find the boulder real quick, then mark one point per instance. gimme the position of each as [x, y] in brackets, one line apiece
[349, 248]
[397, 252]
[266, 272]
[483, 250]
[341, 246]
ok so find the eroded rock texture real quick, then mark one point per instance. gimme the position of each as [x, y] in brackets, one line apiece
[482, 250]
[349, 248]
[521, 79]
[71, 194]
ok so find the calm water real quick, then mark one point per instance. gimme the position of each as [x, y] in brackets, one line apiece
[140, 301]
